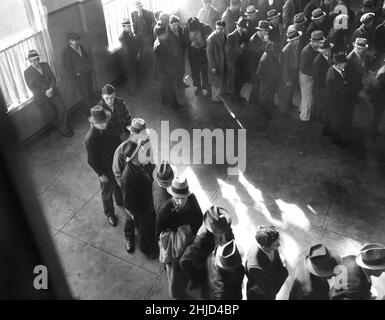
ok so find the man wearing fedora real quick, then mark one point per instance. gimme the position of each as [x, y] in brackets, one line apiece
[369, 262]
[290, 9]
[131, 56]
[300, 22]
[312, 274]
[366, 7]
[265, 271]
[338, 99]
[290, 67]
[215, 230]
[209, 14]
[181, 210]
[231, 15]
[276, 34]
[255, 49]
[340, 34]
[101, 142]
[225, 272]
[252, 20]
[120, 114]
[321, 65]
[308, 54]
[163, 176]
[320, 21]
[217, 64]
[42, 83]
[325, 5]
[236, 57]
[366, 30]
[79, 66]
[269, 75]
[136, 184]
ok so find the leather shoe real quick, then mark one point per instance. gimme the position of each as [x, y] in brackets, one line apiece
[113, 221]
[130, 246]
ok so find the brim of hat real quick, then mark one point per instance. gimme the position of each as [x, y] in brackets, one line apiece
[276, 16]
[323, 15]
[218, 232]
[269, 28]
[163, 183]
[363, 47]
[319, 272]
[34, 58]
[178, 195]
[297, 37]
[362, 264]
[220, 265]
[249, 14]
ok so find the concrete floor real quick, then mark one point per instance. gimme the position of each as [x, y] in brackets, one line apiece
[295, 179]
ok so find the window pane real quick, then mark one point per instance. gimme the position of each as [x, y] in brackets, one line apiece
[13, 18]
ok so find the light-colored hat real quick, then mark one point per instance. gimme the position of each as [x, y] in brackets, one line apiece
[367, 17]
[32, 55]
[251, 10]
[292, 33]
[179, 188]
[228, 257]
[372, 257]
[126, 22]
[273, 13]
[317, 14]
[361, 43]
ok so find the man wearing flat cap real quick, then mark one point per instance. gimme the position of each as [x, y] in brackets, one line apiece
[131, 56]
[215, 230]
[79, 66]
[359, 269]
[42, 83]
[312, 274]
[236, 57]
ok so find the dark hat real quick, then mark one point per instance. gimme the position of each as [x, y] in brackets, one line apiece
[32, 55]
[217, 220]
[164, 174]
[361, 43]
[292, 33]
[250, 10]
[317, 14]
[372, 257]
[300, 18]
[130, 150]
[242, 22]
[367, 17]
[264, 25]
[317, 35]
[227, 256]
[98, 114]
[126, 22]
[273, 13]
[339, 57]
[179, 188]
[326, 45]
[321, 261]
[73, 36]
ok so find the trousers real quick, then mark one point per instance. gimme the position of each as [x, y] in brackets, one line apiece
[306, 86]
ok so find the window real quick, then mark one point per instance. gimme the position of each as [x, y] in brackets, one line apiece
[116, 10]
[21, 29]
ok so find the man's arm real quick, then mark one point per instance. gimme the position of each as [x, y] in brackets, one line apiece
[93, 157]
[67, 62]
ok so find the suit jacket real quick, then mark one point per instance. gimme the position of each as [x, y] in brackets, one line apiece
[320, 69]
[338, 92]
[357, 286]
[325, 27]
[290, 62]
[130, 47]
[75, 63]
[277, 35]
[235, 54]
[265, 277]
[177, 46]
[144, 27]
[216, 58]
[359, 67]
[307, 286]
[364, 32]
[308, 55]
[39, 83]
[230, 18]
[255, 49]
[162, 59]
[379, 38]
[268, 71]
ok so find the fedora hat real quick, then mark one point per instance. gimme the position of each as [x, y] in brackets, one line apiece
[367, 17]
[242, 22]
[228, 257]
[32, 55]
[73, 36]
[251, 10]
[300, 18]
[339, 57]
[126, 22]
[137, 125]
[179, 188]
[98, 115]
[361, 43]
[317, 14]
[321, 261]
[130, 149]
[217, 220]
[292, 33]
[264, 25]
[164, 174]
[372, 257]
[317, 35]
[273, 13]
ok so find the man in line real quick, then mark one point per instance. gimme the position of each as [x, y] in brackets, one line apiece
[101, 142]
[252, 21]
[78, 65]
[308, 55]
[370, 261]
[208, 14]
[42, 83]
[131, 56]
[120, 114]
[265, 270]
[231, 16]
[216, 58]
[320, 21]
[163, 175]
